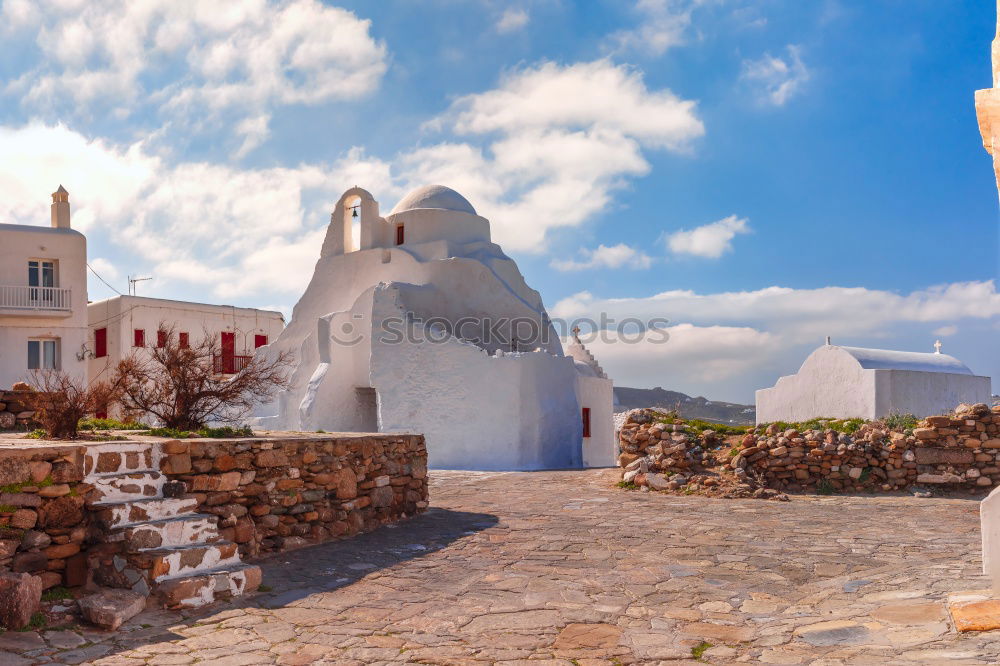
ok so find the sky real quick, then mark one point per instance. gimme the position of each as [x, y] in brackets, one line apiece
[759, 173]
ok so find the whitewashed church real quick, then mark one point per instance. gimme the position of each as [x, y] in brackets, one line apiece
[419, 323]
[852, 382]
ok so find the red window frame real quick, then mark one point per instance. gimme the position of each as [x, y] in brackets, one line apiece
[585, 416]
[400, 235]
[259, 341]
[139, 338]
[100, 343]
[182, 340]
[161, 338]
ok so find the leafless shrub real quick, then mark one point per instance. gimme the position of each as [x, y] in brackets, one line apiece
[61, 400]
[184, 387]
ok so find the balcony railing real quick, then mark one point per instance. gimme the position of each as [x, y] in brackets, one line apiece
[229, 365]
[35, 298]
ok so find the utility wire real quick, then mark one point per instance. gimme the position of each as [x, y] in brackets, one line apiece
[103, 280]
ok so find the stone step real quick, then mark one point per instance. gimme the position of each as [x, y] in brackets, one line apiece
[110, 515]
[112, 458]
[128, 487]
[203, 588]
[182, 561]
[188, 530]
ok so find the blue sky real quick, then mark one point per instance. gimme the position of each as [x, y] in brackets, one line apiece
[761, 173]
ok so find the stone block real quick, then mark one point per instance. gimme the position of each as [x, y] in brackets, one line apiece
[176, 463]
[23, 519]
[934, 456]
[925, 433]
[20, 597]
[108, 609]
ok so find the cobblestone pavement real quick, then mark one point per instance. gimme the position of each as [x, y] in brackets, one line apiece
[563, 568]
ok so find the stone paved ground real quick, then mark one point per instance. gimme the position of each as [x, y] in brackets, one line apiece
[562, 568]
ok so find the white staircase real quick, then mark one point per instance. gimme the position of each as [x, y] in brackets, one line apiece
[157, 544]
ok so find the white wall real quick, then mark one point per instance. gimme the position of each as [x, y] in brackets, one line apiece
[121, 315]
[830, 383]
[18, 244]
[928, 393]
[599, 450]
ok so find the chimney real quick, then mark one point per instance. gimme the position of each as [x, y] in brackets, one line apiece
[60, 208]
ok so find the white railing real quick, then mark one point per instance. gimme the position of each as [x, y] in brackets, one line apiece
[35, 298]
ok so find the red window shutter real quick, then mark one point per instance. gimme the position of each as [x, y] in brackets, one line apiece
[161, 339]
[259, 341]
[182, 340]
[101, 414]
[586, 421]
[139, 338]
[400, 235]
[101, 342]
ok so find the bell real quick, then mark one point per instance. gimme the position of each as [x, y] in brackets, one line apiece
[354, 213]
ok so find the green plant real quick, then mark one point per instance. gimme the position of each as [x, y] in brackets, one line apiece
[56, 593]
[902, 422]
[824, 487]
[264, 588]
[698, 650]
[627, 485]
[735, 451]
[7, 508]
[37, 433]
[865, 474]
[37, 622]
[214, 433]
[109, 424]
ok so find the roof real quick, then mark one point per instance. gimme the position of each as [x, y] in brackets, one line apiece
[436, 197]
[38, 229]
[886, 359]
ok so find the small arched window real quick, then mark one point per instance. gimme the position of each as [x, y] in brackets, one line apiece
[400, 235]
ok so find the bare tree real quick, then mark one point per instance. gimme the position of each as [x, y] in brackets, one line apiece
[60, 400]
[185, 387]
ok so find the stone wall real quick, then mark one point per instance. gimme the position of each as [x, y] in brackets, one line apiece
[269, 494]
[962, 449]
[956, 451]
[276, 494]
[43, 519]
[15, 413]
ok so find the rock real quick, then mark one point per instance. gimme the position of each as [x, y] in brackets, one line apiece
[34, 539]
[29, 562]
[62, 512]
[57, 490]
[14, 470]
[20, 596]
[108, 609]
[657, 481]
[40, 470]
[925, 433]
[934, 456]
[23, 519]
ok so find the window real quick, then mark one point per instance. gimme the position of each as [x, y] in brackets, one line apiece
[161, 338]
[586, 421]
[400, 235]
[101, 343]
[182, 340]
[138, 338]
[43, 355]
[41, 273]
[259, 341]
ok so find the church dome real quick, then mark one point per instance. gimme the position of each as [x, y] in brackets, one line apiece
[436, 197]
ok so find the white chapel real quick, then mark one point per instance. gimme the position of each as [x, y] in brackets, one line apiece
[853, 382]
[417, 322]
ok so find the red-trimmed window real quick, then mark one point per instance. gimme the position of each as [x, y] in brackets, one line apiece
[400, 235]
[586, 421]
[182, 340]
[138, 338]
[101, 342]
[161, 338]
[259, 341]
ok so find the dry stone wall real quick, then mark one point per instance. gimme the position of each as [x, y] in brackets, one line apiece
[15, 413]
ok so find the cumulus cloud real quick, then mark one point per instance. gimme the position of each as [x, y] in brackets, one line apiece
[615, 256]
[946, 331]
[548, 146]
[512, 19]
[709, 240]
[727, 344]
[777, 79]
[662, 24]
[202, 65]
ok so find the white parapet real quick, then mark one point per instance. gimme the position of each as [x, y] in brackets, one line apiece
[989, 516]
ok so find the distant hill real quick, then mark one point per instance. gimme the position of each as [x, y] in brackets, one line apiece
[687, 407]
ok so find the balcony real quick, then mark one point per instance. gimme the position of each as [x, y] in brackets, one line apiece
[229, 364]
[45, 301]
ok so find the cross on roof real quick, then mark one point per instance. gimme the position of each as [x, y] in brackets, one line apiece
[937, 347]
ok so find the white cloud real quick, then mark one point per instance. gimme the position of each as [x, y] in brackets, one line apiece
[710, 240]
[104, 268]
[946, 331]
[615, 256]
[204, 65]
[777, 79]
[558, 141]
[725, 345]
[512, 19]
[662, 24]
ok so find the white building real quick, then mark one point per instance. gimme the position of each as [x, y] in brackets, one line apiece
[43, 296]
[424, 325]
[122, 325]
[851, 382]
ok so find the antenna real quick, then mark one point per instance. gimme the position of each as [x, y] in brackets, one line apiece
[132, 281]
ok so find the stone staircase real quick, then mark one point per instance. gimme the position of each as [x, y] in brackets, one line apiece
[148, 536]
